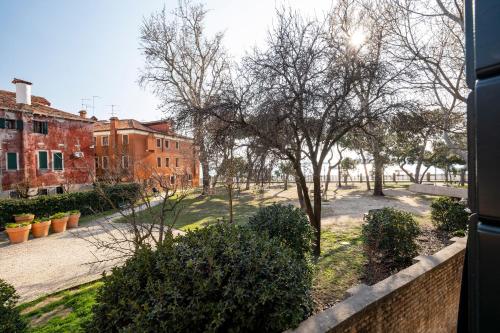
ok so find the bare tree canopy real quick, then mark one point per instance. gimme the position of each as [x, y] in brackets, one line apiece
[186, 69]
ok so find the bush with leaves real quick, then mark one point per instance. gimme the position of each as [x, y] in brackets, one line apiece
[287, 223]
[10, 318]
[449, 214]
[222, 278]
[392, 234]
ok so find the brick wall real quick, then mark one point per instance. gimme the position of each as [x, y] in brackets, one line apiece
[421, 298]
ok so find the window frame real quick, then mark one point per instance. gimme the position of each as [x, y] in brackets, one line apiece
[38, 160]
[97, 163]
[166, 144]
[123, 139]
[102, 140]
[105, 167]
[44, 127]
[177, 145]
[7, 161]
[167, 162]
[54, 152]
[158, 143]
[125, 158]
[158, 162]
[176, 162]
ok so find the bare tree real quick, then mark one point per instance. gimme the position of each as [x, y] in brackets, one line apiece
[149, 212]
[299, 98]
[186, 68]
[430, 37]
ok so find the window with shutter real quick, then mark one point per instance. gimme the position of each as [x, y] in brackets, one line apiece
[43, 160]
[19, 125]
[2, 122]
[12, 161]
[57, 159]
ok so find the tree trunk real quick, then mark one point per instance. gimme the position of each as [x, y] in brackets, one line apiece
[462, 177]
[285, 187]
[367, 176]
[230, 188]
[379, 173]
[300, 195]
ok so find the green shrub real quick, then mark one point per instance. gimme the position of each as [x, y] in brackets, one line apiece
[59, 215]
[10, 318]
[392, 234]
[286, 223]
[74, 212]
[89, 202]
[449, 214]
[17, 225]
[41, 219]
[222, 278]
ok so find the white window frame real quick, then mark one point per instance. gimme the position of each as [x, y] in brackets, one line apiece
[7, 160]
[123, 139]
[125, 157]
[166, 144]
[38, 159]
[53, 159]
[102, 140]
[158, 143]
[102, 164]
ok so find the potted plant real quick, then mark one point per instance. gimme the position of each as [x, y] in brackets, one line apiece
[40, 227]
[18, 232]
[24, 217]
[74, 217]
[59, 221]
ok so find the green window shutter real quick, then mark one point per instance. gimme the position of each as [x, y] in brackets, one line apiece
[11, 161]
[58, 161]
[45, 128]
[43, 160]
[2, 122]
[19, 125]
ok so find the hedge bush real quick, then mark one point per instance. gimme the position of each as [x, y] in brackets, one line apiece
[392, 234]
[449, 214]
[222, 278]
[88, 202]
[10, 318]
[287, 223]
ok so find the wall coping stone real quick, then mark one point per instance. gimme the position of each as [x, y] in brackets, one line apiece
[368, 295]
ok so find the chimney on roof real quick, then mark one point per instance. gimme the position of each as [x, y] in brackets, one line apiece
[83, 114]
[23, 91]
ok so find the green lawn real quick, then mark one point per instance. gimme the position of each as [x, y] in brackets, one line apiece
[65, 311]
[200, 211]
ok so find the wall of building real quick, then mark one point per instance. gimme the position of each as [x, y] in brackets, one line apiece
[143, 152]
[64, 135]
[421, 298]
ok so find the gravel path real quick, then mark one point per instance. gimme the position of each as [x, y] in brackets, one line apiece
[46, 265]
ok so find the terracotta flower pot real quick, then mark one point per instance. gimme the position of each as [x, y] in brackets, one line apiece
[18, 234]
[59, 225]
[40, 229]
[73, 220]
[24, 218]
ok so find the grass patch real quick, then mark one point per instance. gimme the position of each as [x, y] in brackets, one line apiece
[200, 211]
[93, 217]
[65, 311]
[339, 267]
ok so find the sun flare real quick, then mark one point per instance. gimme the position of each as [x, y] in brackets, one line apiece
[357, 38]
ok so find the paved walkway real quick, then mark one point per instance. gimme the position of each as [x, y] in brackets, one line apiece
[46, 265]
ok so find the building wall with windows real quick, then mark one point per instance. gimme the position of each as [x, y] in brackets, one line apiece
[132, 151]
[42, 148]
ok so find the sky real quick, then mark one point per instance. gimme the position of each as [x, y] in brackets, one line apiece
[71, 50]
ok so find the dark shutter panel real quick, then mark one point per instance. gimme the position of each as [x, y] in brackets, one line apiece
[19, 125]
[11, 161]
[2, 122]
[45, 127]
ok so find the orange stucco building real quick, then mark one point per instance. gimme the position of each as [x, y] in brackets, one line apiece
[133, 150]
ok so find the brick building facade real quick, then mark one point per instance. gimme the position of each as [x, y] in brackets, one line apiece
[41, 147]
[131, 151]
